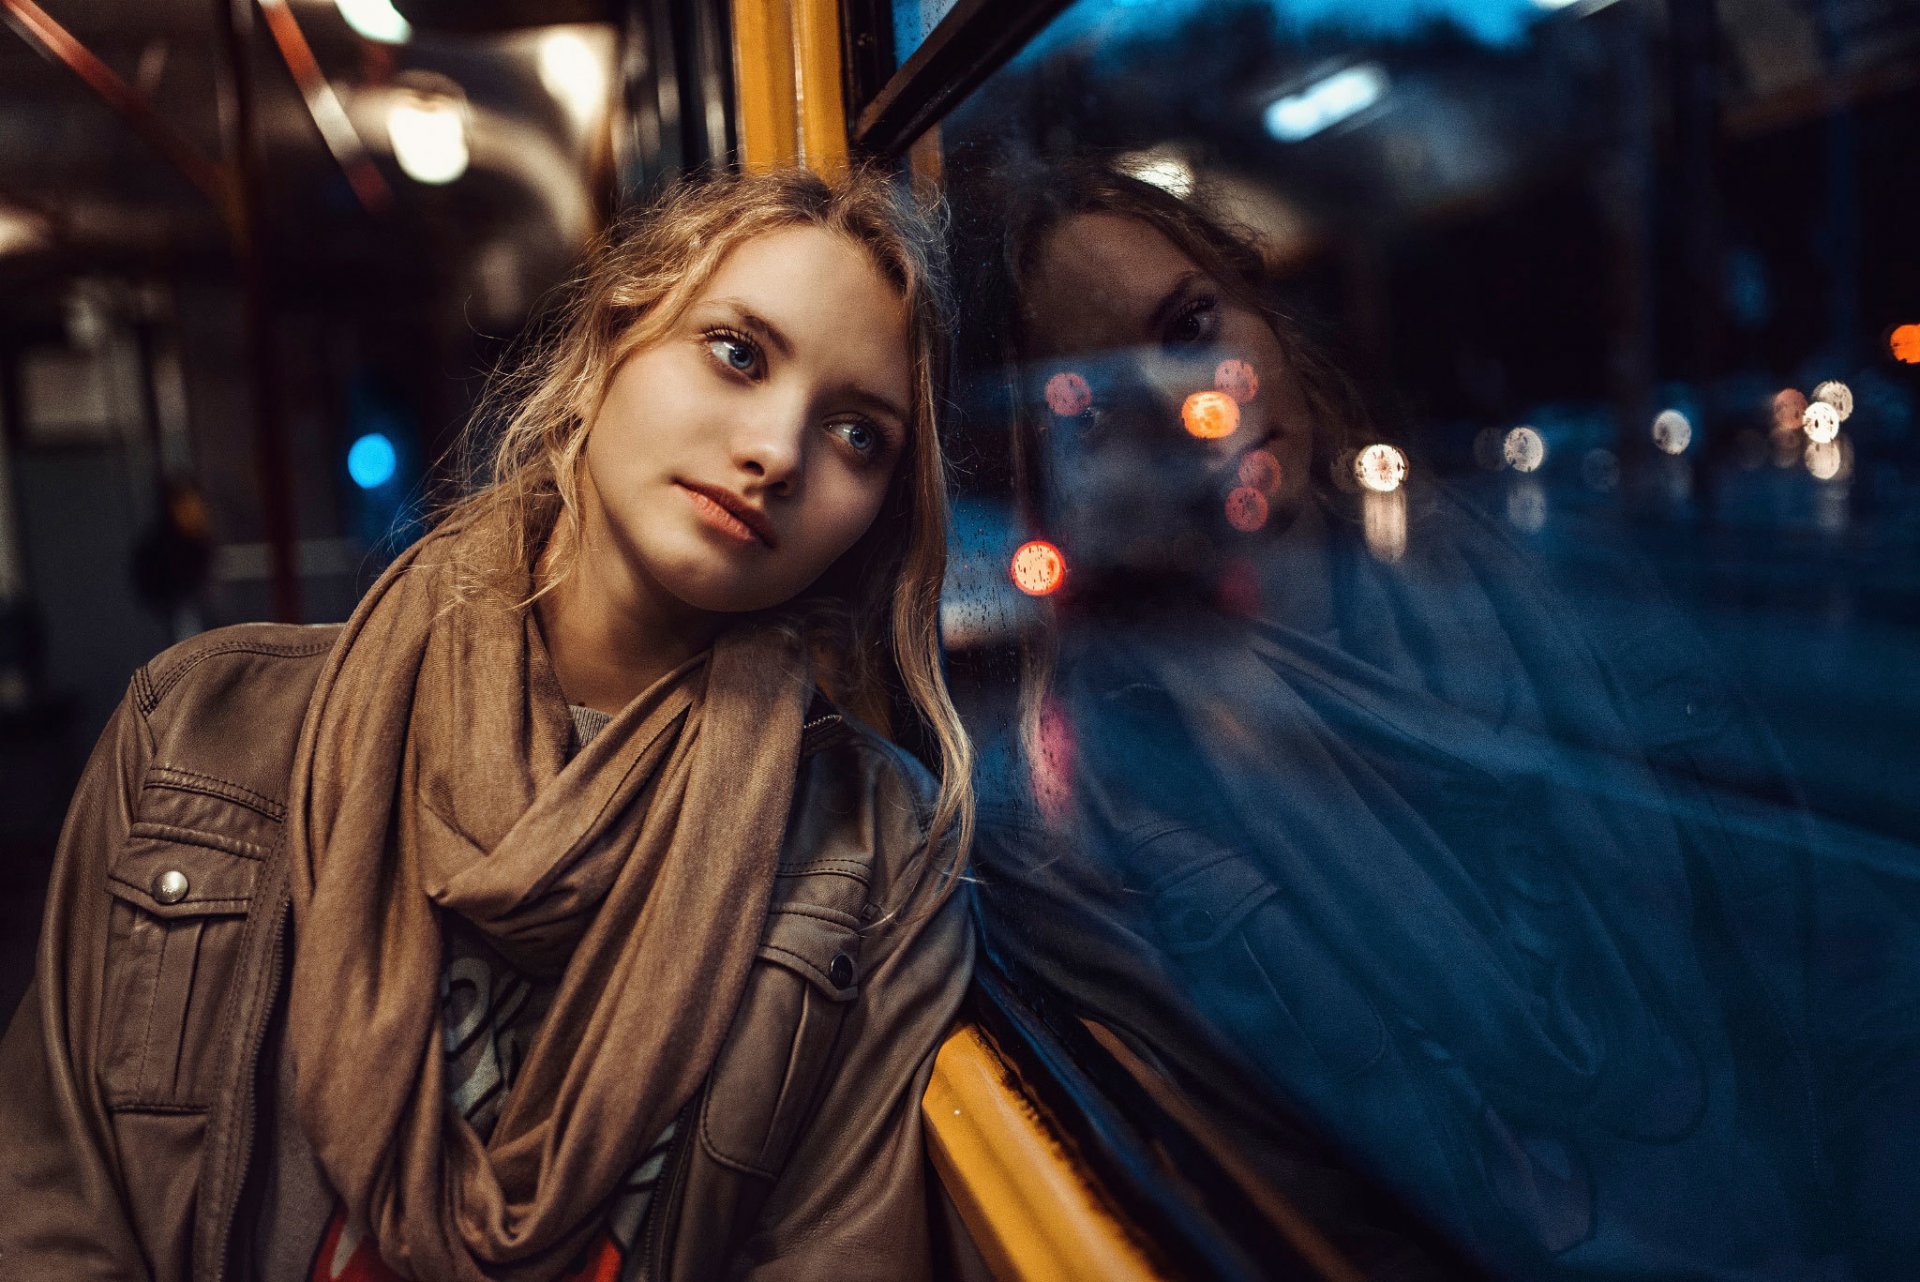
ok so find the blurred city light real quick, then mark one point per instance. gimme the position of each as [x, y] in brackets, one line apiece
[1380, 468]
[1384, 522]
[1821, 421]
[1038, 568]
[574, 73]
[1788, 407]
[1524, 449]
[371, 461]
[1211, 416]
[1068, 394]
[1237, 379]
[428, 129]
[1527, 506]
[1261, 470]
[1246, 509]
[21, 231]
[1838, 395]
[376, 20]
[1672, 432]
[1326, 103]
[1165, 169]
[1825, 459]
[1904, 343]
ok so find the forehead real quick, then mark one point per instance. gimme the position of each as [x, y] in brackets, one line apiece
[1095, 282]
[826, 296]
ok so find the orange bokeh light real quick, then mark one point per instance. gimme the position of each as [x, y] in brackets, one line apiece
[1237, 379]
[1261, 470]
[1038, 568]
[1068, 394]
[1211, 416]
[1906, 344]
[1246, 509]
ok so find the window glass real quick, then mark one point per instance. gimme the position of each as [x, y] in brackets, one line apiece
[1434, 586]
[912, 20]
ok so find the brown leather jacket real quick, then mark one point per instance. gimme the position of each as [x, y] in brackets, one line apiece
[134, 1080]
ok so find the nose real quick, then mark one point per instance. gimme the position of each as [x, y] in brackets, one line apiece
[770, 449]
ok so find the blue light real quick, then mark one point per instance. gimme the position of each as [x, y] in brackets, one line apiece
[1326, 103]
[371, 461]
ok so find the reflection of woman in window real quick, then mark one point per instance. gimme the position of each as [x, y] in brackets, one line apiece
[616, 949]
[1383, 827]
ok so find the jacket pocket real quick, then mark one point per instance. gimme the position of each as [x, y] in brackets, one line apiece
[775, 1061]
[181, 889]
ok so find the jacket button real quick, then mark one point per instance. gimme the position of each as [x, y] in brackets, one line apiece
[840, 970]
[170, 887]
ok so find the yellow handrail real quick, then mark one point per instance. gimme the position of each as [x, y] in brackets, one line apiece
[1026, 1204]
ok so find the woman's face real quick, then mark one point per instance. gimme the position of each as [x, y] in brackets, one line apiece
[739, 456]
[1112, 300]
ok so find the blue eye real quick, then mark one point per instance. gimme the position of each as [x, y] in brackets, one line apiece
[859, 435]
[736, 351]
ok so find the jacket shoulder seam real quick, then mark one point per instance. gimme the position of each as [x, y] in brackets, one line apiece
[153, 694]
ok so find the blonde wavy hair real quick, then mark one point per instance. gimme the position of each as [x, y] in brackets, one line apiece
[872, 619]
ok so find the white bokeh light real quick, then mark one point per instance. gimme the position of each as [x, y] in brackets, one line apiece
[376, 20]
[1524, 449]
[1838, 395]
[574, 72]
[1672, 432]
[1821, 422]
[1380, 468]
[428, 130]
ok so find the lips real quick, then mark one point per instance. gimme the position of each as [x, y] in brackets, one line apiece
[728, 512]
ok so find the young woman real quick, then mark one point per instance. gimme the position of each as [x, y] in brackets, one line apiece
[1503, 893]
[546, 920]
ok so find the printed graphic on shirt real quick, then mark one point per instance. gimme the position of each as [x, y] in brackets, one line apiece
[489, 1014]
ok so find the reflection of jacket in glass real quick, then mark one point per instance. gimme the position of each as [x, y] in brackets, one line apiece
[1512, 903]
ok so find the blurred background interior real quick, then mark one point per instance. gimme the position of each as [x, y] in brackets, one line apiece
[1592, 261]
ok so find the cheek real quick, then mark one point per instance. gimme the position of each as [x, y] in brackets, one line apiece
[845, 511]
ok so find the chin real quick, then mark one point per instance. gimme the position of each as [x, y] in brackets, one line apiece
[713, 593]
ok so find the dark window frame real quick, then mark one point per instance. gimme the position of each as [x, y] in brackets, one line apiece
[975, 39]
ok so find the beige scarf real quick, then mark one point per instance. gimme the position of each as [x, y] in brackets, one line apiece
[432, 777]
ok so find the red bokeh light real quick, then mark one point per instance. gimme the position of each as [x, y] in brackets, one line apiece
[1211, 416]
[1789, 406]
[1246, 509]
[1261, 470]
[1237, 379]
[1038, 568]
[1068, 394]
[1905, 344]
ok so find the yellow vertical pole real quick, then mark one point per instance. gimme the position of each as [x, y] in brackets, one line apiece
[787, 84]
[763, 79]
[818, 85]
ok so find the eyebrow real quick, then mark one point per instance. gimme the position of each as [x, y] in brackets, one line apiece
[1164, 309]
[760, 325]
[877, 403]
